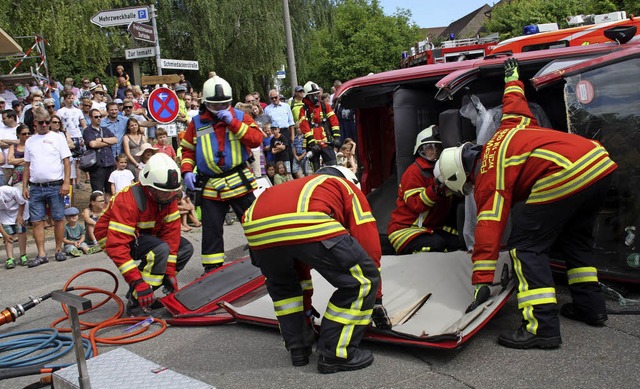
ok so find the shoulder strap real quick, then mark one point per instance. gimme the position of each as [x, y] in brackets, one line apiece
[425, 173]
[138, 194]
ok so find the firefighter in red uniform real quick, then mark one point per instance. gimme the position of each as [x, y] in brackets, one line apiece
[218, 142]
[562, 180]
[324, 221]
[316, 118]
[423, 207]
[142, 223]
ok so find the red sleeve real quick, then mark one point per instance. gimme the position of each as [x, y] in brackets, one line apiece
[515, 108]
[417, 191]
[360, 222]
[170, 233]
[247, 130]
[121, 231]
[188, 145]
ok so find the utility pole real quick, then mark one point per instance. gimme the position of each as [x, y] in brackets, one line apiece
[155, 31]
[293, 76]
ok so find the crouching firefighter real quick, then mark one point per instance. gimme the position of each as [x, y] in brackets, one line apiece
[218, 142]
[561, 180]
[323, 221]
[319, 126]
[142, 223]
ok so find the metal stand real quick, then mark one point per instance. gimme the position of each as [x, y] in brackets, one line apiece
[74, 303]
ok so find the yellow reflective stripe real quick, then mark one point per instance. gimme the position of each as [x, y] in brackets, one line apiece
[242, 131]
[307, 191]
[172, 217]
[582, 274]
[284, 220]
[188, 161]
[172, 258]
[207, 151]
[360, 215]
[347, 316]
[425, 199]
[306, 284]
[450, 230]
[103, 242]
[288, 306]
[295, 233]
[485, 265]
[187, 145]
[552, 156]
[495, 213]
[411, 192]
[144, 225]
[516, 160]
[151, 279]
[127, 266]
[537, 297]
[236, 147]
[125, 229]
[212, 259]
[400, 237]
[502, 155]
[514, 89]
[523, 286]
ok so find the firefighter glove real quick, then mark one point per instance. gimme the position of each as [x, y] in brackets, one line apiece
[170, 284]
[511, 70]
[336, 143]
[225, 116]
[190, 180]
[143, 293]
[480, 295]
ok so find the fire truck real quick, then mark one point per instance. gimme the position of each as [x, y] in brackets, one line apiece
[425, 52]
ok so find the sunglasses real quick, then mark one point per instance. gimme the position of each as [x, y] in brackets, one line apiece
[274, 97]
[25, 134]
[128, 106]
[50, 106]
[55, 122]
[43, 122]
[87, 105]
[96, 117]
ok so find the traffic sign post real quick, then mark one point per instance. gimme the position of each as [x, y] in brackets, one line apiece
[142, 32]
[163, 105]
[179, 64]
[141, 52]
[121, 16]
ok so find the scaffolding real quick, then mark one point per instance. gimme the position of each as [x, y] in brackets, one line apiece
[36, 51]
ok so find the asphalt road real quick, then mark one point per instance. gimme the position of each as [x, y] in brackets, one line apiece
[243, 356]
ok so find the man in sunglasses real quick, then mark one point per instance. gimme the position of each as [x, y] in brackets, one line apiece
[101, 139]
[46, 181]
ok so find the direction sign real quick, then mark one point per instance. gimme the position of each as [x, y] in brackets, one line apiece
[141, 52]
[164, 79]
[281, 74]
[163, 105]
[142, 32]
[121, 16]
[179, 64]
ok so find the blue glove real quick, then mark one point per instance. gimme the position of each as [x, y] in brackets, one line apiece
[225, 116]
[190, 180]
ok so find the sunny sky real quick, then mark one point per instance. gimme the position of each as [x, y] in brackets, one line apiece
[434, 13]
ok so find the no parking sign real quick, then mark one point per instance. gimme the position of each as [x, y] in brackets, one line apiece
[163, 105]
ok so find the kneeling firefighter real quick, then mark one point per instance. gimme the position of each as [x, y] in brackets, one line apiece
[324, 222]
[142, 223]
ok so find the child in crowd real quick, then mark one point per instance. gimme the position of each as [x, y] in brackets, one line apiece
[266, 143]
[74, 234]
[146, 151]
[90, 216]
[299, 155]
[12, 211]
[346, 156]
[121, 177]
[187, 213]
[163, 145]
[281, 175]
[271, 172]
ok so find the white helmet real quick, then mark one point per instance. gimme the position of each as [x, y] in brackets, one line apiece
[311, 88]
[426, 136]
[340, 171]
[216, 90]
[450, 168]
[161, 173]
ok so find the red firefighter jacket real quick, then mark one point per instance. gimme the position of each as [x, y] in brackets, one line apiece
[313, 131]
[123, 222]
[229, 148]
[525, 162]
[419, 209]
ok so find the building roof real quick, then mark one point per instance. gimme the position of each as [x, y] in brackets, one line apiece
[469, 25]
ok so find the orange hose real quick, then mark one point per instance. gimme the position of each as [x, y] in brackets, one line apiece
[114, 321]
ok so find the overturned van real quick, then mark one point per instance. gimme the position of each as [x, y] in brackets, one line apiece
[593, 91]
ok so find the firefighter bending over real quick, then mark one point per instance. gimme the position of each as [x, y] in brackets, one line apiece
[325, 222]
[142, 223]
[422, 220]
[562, 179]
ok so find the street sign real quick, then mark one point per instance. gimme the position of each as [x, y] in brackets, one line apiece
[281, 74]
[121, 16]
[163, 105]
[142, 32]
[141, 52]
[179, 64]
[164, 79]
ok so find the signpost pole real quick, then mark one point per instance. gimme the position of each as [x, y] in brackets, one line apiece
[155, 31]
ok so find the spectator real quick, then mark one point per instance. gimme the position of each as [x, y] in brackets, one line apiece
[73, 122]
[16, 155]
[8, 138]
[281, 148]
[297, 103]
[271, 172]
[17, 106]
[281, 175]
[120, 72]
[57, 127]
[121, 177]
[163, 145]
[90, 216]
[121, 86]
[280, 114]
[187, 212]
[74, 234]
[86, 105]
[85, 90]
[116, 124]
[46, 182]
[146, 152]
[299, 168]
[256, 96]
[132, 143]
[99, 101]
[27, 115]
[120, 106]
[185, 83]
[102, 140]
[346, 155]
[266, 142]
[7, 95]
[69, 85]
[13, 208]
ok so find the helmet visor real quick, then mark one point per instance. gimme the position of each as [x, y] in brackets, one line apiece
[430, 151]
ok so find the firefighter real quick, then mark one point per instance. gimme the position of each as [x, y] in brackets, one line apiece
[319, 126]
[560, 179]
[142, 223]
[423, 207]
[325, 222]
[218, 142]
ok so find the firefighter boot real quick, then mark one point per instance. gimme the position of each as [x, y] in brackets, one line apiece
[523, 339]
[574, 312]
[380, 317]
[359, 359]
[300, 355]
[210, 268]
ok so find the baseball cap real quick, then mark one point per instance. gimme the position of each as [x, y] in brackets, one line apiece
[71, 211]
[180, 88]
[118, 101]
[298, 89]
[15, 103]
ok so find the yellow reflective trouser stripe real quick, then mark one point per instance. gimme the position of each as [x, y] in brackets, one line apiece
[127, 266]
[172, 217]
[172, 258]
[450, 230]
[306, 284]
[125, 229]
[523, 286]
[399, 238]
[485, 265]
[103, 242]
[212, 259]
[151, 279]
[537, 297]
[288, 306]
[582, 274]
